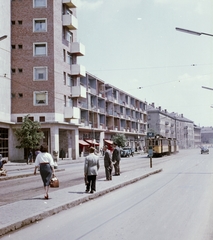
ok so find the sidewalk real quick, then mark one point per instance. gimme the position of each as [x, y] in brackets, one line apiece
[27, 211]
[14, 166]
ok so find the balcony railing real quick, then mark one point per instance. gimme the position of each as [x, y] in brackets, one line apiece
[78, 91]
[78, 70]
[78, 49]
[70, 3]
[71, 112]
[70, 21]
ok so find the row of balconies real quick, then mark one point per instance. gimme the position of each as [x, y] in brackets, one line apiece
[80, 92]
[74, 113]
[71, 22]
[86, 124]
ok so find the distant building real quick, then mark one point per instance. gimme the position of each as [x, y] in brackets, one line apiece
[207, 135]
[171, 125]
[197, 136]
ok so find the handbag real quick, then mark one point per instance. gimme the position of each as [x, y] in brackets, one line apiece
[54, 182]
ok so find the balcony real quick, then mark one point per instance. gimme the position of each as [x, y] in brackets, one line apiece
[70, 3]
[71, 112]
[70, 21]
[78, 49]
[78, 70]
[78, 91]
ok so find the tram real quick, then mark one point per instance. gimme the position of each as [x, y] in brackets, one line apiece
[162, 145]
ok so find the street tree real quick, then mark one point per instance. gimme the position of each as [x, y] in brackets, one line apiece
[29, 135]
[119, 139]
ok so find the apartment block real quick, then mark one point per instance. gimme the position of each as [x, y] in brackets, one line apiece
[171, 125]
[44, 69]
[107, 110]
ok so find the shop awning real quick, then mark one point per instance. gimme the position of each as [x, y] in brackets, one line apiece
[82, 142]
[91, 142]
[108, 141]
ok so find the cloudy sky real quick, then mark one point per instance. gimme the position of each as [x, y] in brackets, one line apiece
[134, 46]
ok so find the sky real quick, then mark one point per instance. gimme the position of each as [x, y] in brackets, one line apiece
[133, 45]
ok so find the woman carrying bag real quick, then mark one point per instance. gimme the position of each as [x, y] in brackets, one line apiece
[45, 163]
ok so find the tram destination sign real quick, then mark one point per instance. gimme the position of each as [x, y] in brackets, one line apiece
[150, 134]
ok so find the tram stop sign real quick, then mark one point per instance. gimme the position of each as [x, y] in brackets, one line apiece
[150, 152]
[150, 134]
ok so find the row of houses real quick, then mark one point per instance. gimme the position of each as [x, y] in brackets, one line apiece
[40, 76]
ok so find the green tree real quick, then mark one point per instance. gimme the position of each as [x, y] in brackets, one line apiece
[29, 135]
[119, 139]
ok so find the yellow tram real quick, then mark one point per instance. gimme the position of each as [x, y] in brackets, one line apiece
[162, 145]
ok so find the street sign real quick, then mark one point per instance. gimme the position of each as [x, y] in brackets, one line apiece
[150, 134]
[150, 152]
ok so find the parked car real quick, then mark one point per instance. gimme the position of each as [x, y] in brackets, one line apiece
[127, 152]
[204, 150]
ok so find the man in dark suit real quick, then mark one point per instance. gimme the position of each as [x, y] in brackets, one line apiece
[107, 163]
[116, 157]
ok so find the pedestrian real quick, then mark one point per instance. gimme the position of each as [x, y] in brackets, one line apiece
[37, 151]
[30, 157]
[3, 172]
[116, 157]
[45, 163]
[62, 154]
[107, 163]
[91, 167]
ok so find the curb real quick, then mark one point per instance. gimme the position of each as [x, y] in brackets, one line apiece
[31, 219]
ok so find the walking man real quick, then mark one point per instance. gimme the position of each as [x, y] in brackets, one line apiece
[107, 163]
[91, 167]
[116, 157]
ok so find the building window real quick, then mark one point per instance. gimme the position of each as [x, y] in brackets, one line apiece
[65, 101]
[64, 55]
[69, 58]
[31, 118]
[68, 35]
[40, 25]
[65, 78]
[40, 3]
[40, 98]
[40, 73]
[13, 70]
[20, 70]
[13, 22]
[19, 119]
[20, 95]
[13, 46]
[40, 49]
[42, 119]
[20, 22]
[4, 141]
[20, 46]
[70, 81]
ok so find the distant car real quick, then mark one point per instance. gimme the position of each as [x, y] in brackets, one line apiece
[127, 152]
[204, 150]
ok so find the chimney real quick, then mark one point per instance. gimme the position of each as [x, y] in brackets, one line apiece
[153, 105]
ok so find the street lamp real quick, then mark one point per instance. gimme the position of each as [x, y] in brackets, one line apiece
[3, 37]
[207, 88]
[193, 32]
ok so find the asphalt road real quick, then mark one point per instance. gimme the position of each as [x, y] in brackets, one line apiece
[71, 174]
[176, 204]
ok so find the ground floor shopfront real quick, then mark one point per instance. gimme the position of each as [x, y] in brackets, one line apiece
[63, 141]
